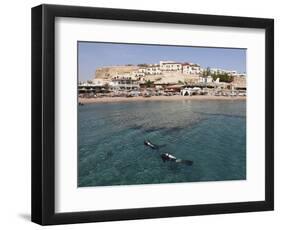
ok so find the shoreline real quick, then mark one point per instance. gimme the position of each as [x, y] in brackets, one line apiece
[157, 98]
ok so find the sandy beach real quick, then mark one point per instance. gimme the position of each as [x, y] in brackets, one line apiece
[156, 98]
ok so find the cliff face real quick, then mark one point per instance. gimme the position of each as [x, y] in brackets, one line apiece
[107, 73]
[112, 71]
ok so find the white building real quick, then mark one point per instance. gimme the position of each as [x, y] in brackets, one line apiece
[93, 83]
[100, 82]
[195, 69]
[223, 71]
[189, 68]
[138, 74]
[205, 80]
[153, 70]
[232, 72]
[124, 83]
[142, 70]
[170, 66]
[129, 76]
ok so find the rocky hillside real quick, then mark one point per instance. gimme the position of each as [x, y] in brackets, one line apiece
[112, 71]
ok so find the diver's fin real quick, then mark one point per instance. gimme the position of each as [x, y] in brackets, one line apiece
[186, 162]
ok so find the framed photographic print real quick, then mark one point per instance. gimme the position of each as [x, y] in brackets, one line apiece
[142, 114]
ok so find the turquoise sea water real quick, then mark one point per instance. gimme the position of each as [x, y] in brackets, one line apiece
[210, 133]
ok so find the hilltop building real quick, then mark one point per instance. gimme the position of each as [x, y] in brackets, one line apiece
[164, 74]
[153, 70]
[190, 68]
[170, 66]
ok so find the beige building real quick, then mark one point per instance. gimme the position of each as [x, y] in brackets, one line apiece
[170, 66]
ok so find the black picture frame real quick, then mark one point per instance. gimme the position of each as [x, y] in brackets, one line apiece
[43, 114]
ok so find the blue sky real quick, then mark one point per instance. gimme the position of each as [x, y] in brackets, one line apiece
[92, 55]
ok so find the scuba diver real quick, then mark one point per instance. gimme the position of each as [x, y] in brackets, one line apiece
[148, 143]
[169, 157]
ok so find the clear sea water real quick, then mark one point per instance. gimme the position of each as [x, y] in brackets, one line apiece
[210, 133]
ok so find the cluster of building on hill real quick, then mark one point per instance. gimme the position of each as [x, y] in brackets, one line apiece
[168, 66]
[165, 78]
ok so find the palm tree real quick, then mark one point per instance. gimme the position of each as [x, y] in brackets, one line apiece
[148, 84]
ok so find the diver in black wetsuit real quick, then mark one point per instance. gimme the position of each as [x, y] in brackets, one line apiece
[168, 157]
[148, 143]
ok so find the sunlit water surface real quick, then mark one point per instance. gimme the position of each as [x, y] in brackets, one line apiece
[210, 133]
